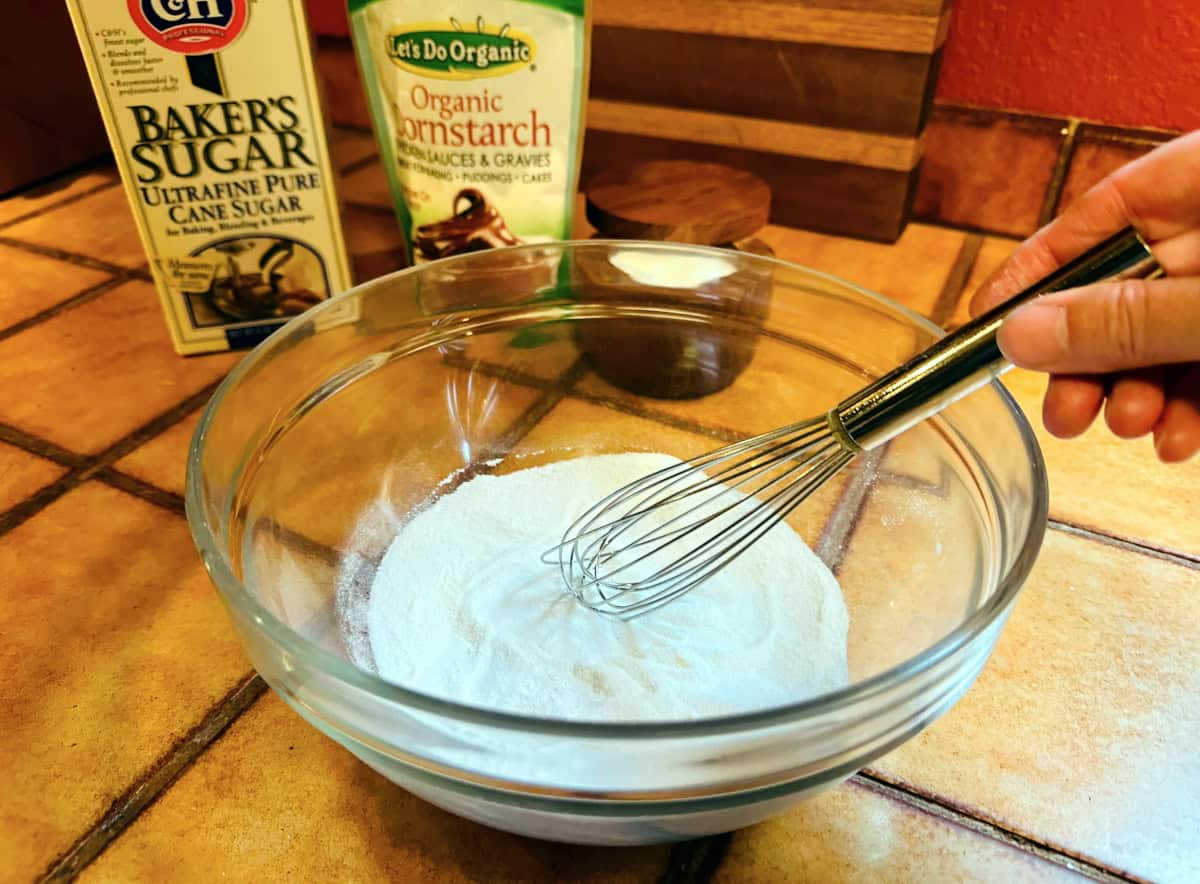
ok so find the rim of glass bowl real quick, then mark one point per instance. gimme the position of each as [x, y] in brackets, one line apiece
[291, 641]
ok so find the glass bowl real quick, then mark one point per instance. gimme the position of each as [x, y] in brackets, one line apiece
[356, 414]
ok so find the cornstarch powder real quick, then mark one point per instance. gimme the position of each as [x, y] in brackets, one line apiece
[463, 608]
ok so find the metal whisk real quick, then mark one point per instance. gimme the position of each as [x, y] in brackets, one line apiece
[664, 534]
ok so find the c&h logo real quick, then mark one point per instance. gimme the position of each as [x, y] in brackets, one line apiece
[191, 27]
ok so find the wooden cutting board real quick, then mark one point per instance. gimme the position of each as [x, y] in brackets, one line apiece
[678, 201]
[827, 102]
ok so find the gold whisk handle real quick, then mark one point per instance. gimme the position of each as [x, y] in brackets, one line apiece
[969, 358]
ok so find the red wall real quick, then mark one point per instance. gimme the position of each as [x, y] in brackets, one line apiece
[1127, 62]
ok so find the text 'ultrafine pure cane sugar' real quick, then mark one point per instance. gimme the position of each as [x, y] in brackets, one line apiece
[215, 122]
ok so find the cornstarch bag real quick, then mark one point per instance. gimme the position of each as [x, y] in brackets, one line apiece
[478, 108]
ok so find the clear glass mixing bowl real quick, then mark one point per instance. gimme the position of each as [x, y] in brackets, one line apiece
[318, 445]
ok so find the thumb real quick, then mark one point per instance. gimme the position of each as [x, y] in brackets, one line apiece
[1106, 327]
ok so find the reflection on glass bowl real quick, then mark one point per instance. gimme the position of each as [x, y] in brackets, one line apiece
[326, 438]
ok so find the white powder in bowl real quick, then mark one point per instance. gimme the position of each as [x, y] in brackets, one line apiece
[671, 271]
[463, 608]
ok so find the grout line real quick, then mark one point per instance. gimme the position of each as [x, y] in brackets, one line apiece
[1092, 130]
[911, 483]
[847, 512]
[65, 201]
[504, 373]
[1182, 559]
[954, 111]
[514, 376]
[160, 497]
[961, 227]
[530, 418]
[85, 468]
[40, 447]
[720, 434]
[361, 163]
[1058, 178]
[74, 258]
[370, 208]
[695, 862]
[126, 809]
[1125, 136]
[939, 808]
[354, 127]
[155, 781]
[956, 280]
[615, 403]
[17, 515]
[70, 303]
[153, 427]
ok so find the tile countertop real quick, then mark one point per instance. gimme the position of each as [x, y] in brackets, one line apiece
[1074, 754]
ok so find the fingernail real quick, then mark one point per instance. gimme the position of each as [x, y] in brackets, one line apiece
[1035, 336]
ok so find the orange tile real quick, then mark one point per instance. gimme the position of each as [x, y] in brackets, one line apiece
[910, 561]
[1096, 156]
[92, 374]
[282, 802]
[1097, 480]
[574, 428]
[854, 833]
[545, 352]
[781, 385]
[350, 145]
[367, 186]
[1081, 730]
[344, 97]
[106, 612]
[99, 226]
[581, 228]
[370, 231]
[386, 441]
[163, 460]
[912, 270]
[375, 242]
[53, 192]
[994, 252]
[22, 473]
[33, 283]
[987, 169]
[1112, 485]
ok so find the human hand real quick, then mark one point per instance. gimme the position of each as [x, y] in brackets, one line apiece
[1132, 347]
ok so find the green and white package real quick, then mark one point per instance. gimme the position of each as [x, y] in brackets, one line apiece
[478, 108]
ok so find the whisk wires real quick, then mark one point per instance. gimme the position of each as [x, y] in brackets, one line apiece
[657, 538]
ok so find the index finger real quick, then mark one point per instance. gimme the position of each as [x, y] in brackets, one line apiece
[1158, 194]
